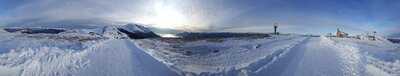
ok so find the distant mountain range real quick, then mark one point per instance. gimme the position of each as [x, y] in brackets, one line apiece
[133, 31]
[396, 36]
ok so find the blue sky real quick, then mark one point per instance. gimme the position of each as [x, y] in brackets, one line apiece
[299, 16]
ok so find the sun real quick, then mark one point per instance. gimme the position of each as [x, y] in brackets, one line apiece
[161, 15]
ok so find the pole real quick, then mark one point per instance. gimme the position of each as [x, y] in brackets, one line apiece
[275, 28]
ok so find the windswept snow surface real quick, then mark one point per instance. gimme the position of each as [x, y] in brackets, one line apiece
[277, 56]
[75, 54]
[379, 54]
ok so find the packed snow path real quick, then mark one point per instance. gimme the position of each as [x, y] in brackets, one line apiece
[314, 57]
[122, 58]
[321, 56]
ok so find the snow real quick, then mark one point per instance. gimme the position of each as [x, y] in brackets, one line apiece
[67, 54]
[312, 58]
[380, 54]
[374, 71]
[122, 58]
[6, 71]
[110, 53]
[231, 55]
[40, 55]
[299, 56]
[113, 33]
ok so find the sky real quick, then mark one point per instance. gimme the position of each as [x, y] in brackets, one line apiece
[293, 16]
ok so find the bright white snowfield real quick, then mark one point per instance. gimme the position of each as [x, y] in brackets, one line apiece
[76, 53]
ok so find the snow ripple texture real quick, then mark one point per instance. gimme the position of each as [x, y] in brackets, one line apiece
[44, 61]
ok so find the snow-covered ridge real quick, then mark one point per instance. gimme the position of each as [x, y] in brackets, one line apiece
[135, 28]
[71, 52]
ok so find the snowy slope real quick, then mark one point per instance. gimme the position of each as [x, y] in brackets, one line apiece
[30, 56]
[75, 53]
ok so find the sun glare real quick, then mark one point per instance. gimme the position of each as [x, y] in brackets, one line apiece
[165, 16]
